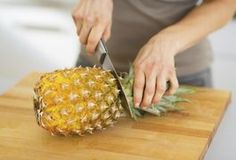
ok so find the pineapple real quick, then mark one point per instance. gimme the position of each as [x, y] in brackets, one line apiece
[84, 99]
[76, 101]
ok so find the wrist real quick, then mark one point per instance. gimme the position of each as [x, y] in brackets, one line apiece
[174, 37]
[111, 1]
[168, 43]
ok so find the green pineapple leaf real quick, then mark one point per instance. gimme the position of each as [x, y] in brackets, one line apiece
[166, 104]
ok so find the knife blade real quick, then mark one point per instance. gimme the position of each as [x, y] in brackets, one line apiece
[106, 64]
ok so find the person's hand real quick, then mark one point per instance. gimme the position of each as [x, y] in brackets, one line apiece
[93, 20]
[154, 66]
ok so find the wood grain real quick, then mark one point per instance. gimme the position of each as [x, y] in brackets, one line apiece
[177, 136]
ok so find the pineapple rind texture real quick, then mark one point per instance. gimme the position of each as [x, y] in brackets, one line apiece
[77, 101]
[81, 100]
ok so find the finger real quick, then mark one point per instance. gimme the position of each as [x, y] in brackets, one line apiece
[84, 32]
[75, 14]
[94, 37]
[74, 17]
[107, 33]
[78, 27]
[160, 88]
[143, 55]
[149, 89]
[139, 82]
[78, 14]
[77, 18]
[174, 85]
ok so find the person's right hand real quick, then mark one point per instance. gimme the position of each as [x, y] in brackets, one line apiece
[93, 19]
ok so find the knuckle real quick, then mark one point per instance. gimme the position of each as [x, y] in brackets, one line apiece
[161, 88]
[147, 72]
[141, 66]
[92, 41]
[89, 19]
[151, 66]
[77, 15]
[138, 66]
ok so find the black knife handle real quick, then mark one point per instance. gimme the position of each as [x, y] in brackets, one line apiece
[101, 51]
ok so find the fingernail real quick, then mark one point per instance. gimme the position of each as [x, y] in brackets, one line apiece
[156, 102]
[136, 105]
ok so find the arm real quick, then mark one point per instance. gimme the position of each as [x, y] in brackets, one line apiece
[154, 64]
[204, 19]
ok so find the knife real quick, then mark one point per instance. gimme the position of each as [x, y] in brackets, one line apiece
[106, 64]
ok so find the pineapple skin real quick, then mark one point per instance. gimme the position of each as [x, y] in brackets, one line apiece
[77, 101]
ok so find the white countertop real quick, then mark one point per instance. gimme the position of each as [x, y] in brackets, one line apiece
[34, 38]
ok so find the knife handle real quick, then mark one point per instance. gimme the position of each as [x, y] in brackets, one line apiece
[101, 51]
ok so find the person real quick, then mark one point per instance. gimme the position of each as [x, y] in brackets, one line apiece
[166, 40]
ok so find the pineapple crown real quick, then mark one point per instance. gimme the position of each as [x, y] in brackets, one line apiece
[167, 103]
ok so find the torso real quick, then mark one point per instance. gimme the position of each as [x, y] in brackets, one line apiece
[136, 21]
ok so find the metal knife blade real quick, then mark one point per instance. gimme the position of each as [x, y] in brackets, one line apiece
[105, 61]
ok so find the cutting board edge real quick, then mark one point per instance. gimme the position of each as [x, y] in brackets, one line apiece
[21, 80]
[208, 143]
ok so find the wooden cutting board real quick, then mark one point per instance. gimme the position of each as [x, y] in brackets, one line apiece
[177, 136]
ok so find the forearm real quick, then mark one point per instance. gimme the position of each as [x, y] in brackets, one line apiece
[204, 19]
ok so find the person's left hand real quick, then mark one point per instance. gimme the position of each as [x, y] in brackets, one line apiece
[154, 66]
